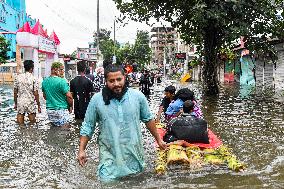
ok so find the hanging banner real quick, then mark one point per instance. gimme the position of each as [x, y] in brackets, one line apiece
[46, 45]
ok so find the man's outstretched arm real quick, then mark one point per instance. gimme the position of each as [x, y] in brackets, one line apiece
[151, 125]
[86, 132]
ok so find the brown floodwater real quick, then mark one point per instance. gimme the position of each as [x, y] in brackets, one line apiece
[248, 121]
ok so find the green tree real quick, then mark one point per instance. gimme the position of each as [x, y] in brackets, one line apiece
[106, 44]
[125, 54]
[4, 48]
[141, 50]
[74, 54]
[212, 24]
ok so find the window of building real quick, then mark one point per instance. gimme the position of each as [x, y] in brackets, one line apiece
[18, 18]
[3, 14]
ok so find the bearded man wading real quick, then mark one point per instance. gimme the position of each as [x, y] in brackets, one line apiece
[118, 111]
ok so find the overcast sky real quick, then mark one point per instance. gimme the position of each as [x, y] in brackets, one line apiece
[75, 20]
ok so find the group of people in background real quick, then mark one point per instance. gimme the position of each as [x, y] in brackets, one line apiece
[183, 116]
[144, 79]
[106, 101]
[60, 95]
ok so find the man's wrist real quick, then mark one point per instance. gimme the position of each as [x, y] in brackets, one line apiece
[81, 149]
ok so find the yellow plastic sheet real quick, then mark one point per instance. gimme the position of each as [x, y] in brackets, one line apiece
[185, 78]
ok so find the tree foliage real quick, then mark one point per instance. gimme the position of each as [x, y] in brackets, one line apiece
[4, 48]
[213, 24]
[106, 44]
[139, 53]
[74, 54]
[125, 54]
[141, 50]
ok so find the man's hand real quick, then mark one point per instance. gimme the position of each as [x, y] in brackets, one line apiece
[70, 110]
[162, 144]
[151, 125]
[15, 107]
[82, 158]
[39, 109]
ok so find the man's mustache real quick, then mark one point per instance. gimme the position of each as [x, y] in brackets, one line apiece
[117, 88]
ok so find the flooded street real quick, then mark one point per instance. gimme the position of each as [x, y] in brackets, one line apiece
[41, 156]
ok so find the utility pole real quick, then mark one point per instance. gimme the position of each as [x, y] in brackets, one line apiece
[98, 30]
[114, 44]
[114, 35]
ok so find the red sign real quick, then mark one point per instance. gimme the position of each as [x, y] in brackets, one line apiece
[181, 56]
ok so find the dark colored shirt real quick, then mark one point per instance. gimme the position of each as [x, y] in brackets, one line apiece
[145, 84]
[187, 127]
[81, 87]
[91, 77]
[165, 103]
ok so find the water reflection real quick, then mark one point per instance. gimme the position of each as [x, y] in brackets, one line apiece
[41, 156]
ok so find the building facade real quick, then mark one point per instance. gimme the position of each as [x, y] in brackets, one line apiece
[88, 54]
[163, 44]
[13, 16]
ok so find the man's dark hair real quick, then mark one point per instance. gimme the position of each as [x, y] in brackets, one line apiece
[184, 94]
[88, 71]
[28, 64]
[188, 106]
[113, 68]
[81, 66]
[171, 89]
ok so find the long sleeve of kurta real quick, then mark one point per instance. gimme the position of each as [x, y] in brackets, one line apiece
[145, 114]
[88, 126]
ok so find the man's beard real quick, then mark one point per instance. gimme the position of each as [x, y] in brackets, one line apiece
[108, 94]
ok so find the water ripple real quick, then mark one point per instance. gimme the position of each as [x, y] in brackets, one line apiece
[41, 156]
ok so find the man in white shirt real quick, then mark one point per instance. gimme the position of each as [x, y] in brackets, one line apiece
[26, 94]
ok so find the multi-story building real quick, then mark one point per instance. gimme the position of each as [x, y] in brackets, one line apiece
[163, 43]
[13, 16]
[88, 54]
[182, 47]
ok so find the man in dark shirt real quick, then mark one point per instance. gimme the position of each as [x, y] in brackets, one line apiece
[82, 89]
[89, 75]
[169, 96]
[145, 83]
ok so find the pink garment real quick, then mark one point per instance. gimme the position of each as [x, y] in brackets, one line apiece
[197, 109]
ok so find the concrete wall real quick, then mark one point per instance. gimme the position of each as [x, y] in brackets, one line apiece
[19, 5]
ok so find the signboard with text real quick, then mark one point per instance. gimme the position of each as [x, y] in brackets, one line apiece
[181, 56]
[46, 45]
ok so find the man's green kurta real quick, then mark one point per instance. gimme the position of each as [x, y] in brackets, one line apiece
[120, 138]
